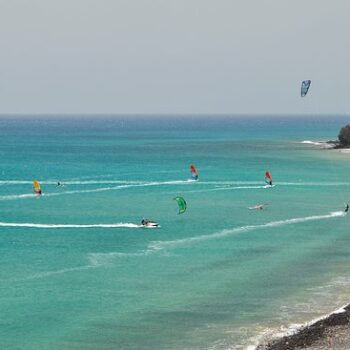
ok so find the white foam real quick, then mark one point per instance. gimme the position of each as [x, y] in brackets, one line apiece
[257, 184]
[15, 182]
[102, 259]
[70, 182]
[96, 260]
[224, 186]
[55, 226]
[337, 290]
[18, 196]
[225, 189]
[317, 143]
[58, 272]
[311, 142]
[340, 310]
[295, 328]
[327, 184]
[92, 182]
[158, 245]
[102, 189]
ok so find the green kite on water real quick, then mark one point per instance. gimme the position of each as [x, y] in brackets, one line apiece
[182, 204]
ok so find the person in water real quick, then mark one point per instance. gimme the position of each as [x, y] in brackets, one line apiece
[346, 208]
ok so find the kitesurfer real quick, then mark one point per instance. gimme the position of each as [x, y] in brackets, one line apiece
[181, 203]
[346, 208]
[305, 85]
[258, 207]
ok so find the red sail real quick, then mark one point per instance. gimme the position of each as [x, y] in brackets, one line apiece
[194, 172]
[268, 175]
[268, 178]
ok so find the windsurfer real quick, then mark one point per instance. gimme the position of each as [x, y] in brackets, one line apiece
[194, 172]
[268, 178]
[37, 188]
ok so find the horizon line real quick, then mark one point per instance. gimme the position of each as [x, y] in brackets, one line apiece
[179, 115]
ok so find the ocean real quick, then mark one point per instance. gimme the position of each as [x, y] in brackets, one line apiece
[78, 271]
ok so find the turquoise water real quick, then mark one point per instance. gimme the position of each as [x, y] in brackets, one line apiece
[220, 276]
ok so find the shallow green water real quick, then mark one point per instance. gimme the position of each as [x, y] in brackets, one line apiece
[216, 277]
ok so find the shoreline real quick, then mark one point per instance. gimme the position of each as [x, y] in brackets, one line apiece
[331, 332]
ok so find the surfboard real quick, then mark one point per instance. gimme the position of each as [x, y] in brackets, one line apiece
[256, 207]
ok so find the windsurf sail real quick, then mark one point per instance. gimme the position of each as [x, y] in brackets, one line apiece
[268, 178]
[194, 172]
[181, 203]
[305, 87]
[36, 186]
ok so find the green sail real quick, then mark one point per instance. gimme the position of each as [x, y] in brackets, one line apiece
[182, 204]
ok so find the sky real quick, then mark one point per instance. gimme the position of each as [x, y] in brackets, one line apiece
[236, 57]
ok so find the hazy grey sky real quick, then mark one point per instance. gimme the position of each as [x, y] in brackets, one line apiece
[174, 56]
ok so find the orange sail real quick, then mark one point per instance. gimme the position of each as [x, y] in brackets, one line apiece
[36, 186]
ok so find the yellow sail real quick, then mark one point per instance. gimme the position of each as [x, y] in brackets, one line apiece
[36, 186]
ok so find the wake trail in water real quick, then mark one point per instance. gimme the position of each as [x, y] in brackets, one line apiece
[102, 189]
[89, 182]
[226, 188]
[18, 196]
[158, 245]
[121, 185]
[97, 260]
[59, 272]
[55, 226]
[101, 259]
